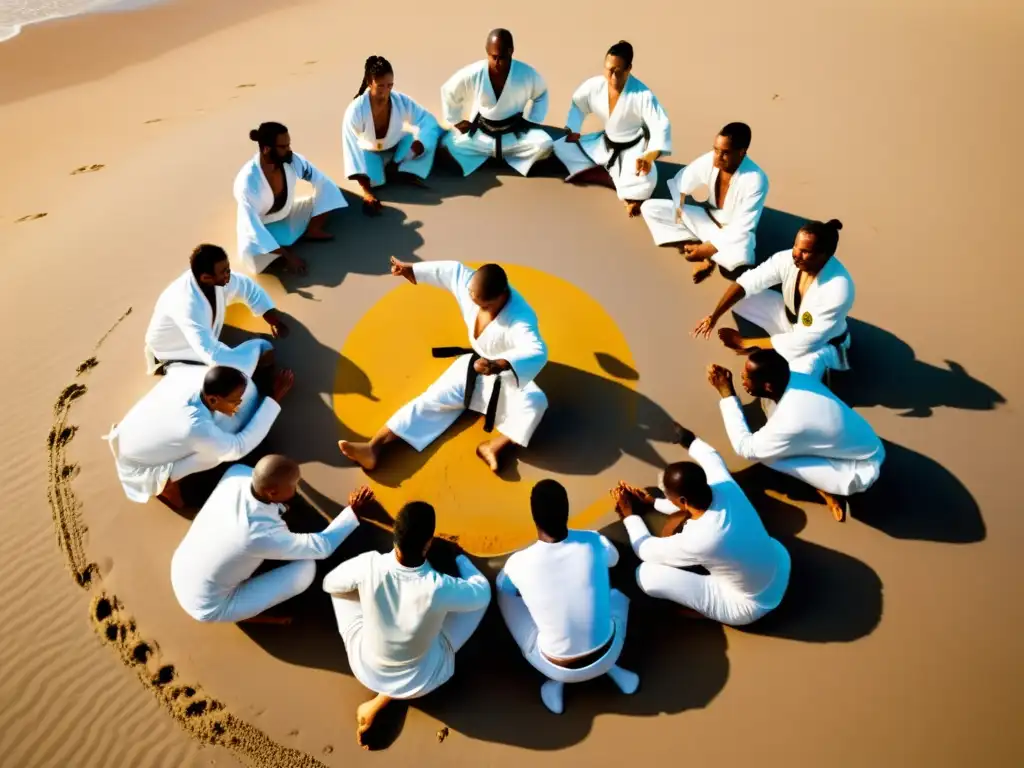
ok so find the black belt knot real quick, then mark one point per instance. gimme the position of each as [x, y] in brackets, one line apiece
[471, 377]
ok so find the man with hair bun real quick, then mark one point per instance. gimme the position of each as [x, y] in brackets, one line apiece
[636, 132]
[193, 420]
[270, 217]
[710, 523]
[376, 142]
[721, 232]
[806, 323]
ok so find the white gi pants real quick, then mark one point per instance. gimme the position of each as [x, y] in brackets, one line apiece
[696, 226]
[520, 152]
[591, 152]
[252, 596]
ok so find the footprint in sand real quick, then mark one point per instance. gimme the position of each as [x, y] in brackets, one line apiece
[154, 120]
[88, 169]
[246, 85]
[310, 63]
[30, 217]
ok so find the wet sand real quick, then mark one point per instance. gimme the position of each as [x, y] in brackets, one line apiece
[897, 643]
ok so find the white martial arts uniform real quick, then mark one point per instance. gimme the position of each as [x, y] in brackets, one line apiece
[261, 232]
[513, 336]
[565, 607]
[404, 625]
[470, 88]
[637, 117]
[812, 337]
[748, 570]
[170, 434]
[211, 571]
[738, 214]
[367, 155]
[184, 327]
[812, 435]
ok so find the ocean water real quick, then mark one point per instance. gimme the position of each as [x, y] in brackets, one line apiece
[15, 14]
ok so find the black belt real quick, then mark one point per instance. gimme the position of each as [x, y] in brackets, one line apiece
[163, 365]
[498, 128]
[586, 659]
[471, 377]
[618, 147]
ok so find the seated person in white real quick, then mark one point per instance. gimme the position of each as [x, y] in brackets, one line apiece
[557, 601]
[189, 316]
[270, 217]
[723, 231]
[806, 323]
[811, 434]
[494, 375]
[711, 524]
[401, 621]
[194, 419]
[505, 97]
[238, 528]
[377, 144]
[636, 132]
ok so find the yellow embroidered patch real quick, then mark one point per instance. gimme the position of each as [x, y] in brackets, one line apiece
[806, 319]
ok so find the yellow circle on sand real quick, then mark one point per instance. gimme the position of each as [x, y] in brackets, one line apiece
[392, 343]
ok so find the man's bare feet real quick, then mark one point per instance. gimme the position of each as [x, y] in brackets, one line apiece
[632, 208]
[836, 505]
[690, 254]
[361, 453]
[490, 457]
[702, 271]
[171, 496]
[366, 713]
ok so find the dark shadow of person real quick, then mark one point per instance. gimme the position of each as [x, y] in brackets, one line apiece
[885, 371]
[629, 423]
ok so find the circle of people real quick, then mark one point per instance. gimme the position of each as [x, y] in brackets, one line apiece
[401, 620]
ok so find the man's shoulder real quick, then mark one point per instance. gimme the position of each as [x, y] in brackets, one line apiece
[752, 171]
[525, 68]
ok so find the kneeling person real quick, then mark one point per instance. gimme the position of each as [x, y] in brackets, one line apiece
[238, 528]
[557, 601]
[193, 420]
[493, 376]
[712, 524]
[401, 621]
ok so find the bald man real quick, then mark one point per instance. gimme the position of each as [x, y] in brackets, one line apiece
[238, 528]
[811, 434]
[503, 98]
[493, 376]
[194, 419]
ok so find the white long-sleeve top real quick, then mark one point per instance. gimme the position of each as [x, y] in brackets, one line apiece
[185, 327]
[360, 135]
[808, 420]
[824, 306]
[567, 590]
[234, 533]
[636, 108]
[469, 92]
[729, 539]
[740, 211]
[400, 649]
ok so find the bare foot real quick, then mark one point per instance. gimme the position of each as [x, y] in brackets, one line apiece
[632, 208]
[703, 271]
[372, 206]
[361, 453]
[366, 713]
[835, 505]
[171, 496]
[488, 454]
[689, 254]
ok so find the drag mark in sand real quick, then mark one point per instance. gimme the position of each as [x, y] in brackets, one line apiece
[31, 217]
[88, 169]
[202, 716]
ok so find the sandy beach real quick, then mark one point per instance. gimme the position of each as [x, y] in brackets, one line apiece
[898, 643]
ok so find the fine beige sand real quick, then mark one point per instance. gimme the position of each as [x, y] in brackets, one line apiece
[899, 641]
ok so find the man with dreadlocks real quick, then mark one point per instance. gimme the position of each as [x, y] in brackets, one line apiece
[270, 218]
[378, 144]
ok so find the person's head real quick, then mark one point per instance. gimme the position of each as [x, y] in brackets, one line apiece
[488, 288]
[549, 504]
[731, 145]
[275, 478]
[210, 265]
[618, 63]
[378, 78]
[766, 374]
[499, 51]
[414, 530]
[815, 244]
[223, 388]
[274, 142]
[685, 485]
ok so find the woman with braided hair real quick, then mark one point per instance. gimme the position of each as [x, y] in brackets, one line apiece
[377, 143]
